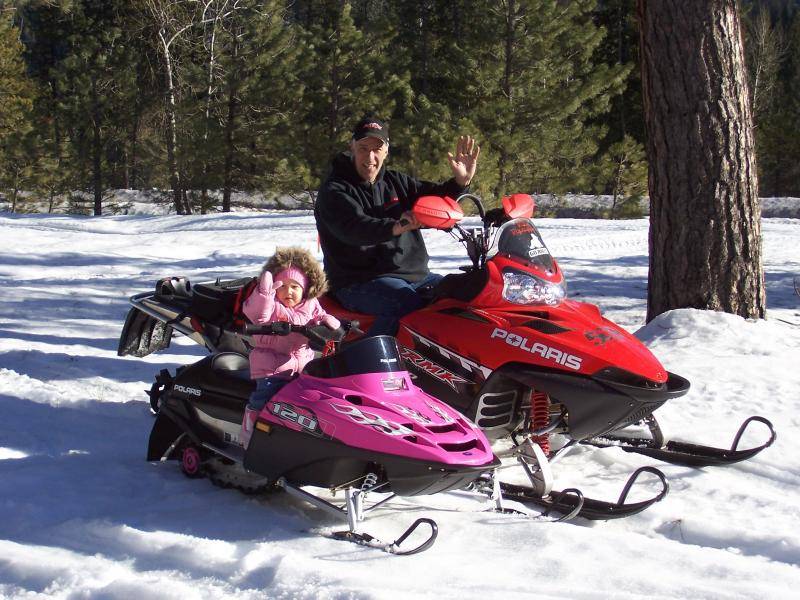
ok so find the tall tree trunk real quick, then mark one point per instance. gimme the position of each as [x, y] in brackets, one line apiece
[204, 202]
[172, 133]
[14, 189]
[97, 152]
[133, 159]
[230, 128]
[705, 232]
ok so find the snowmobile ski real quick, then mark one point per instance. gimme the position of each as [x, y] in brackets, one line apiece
[685, 453]
[572, 503]
[354, 509]
[365, 539]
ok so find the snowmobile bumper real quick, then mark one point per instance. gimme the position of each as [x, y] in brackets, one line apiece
[603, 402]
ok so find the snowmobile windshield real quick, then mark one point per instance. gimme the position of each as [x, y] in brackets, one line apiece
[519, 240]
[378, 354]
[540, 281]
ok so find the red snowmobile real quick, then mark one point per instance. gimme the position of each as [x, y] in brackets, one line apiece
[501, 343]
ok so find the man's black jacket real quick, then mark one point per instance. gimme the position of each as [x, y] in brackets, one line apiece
[355, 220]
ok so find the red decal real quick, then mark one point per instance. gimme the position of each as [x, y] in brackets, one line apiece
[432, 368]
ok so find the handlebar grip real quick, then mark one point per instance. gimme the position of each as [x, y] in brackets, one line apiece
[276, 328]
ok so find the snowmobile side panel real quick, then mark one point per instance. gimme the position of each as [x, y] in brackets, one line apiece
[318, 461]
[218, 385]
[497, 409]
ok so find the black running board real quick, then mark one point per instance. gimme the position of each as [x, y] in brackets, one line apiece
[687, 454]
[574, 504]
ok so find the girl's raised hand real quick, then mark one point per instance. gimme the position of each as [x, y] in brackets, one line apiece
[266, 285]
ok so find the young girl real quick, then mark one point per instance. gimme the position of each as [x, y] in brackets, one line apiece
[287, 290]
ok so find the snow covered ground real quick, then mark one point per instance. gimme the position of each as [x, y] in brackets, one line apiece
[84, 516]
[149, 202]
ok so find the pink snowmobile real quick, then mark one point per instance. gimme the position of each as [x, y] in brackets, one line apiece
[352, 421]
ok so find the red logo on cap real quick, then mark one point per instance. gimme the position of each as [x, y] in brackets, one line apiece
[372, 126]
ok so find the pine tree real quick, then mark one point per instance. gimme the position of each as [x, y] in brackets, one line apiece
[263, 104]
[98, 84]
[621, 46]
[78, 53]
[787, 121]
[438, 57]
[16, 101]
[777, 113]
[348, 73]
[536, 88]
[16, 118]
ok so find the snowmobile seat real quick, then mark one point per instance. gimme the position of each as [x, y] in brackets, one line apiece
[231, 364]
[332, 306]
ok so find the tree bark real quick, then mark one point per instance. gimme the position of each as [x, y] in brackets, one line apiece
[230, 128]
[172, 127]
[705, 232]
[212, 58]
[97, 152]
[14, 189]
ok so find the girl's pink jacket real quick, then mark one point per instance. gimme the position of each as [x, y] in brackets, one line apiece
[274, 353]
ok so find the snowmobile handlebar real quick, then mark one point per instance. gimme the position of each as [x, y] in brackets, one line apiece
[476, 202]
[318, 335]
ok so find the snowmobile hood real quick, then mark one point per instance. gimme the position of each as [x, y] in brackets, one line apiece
[383, 412]
[572, 337]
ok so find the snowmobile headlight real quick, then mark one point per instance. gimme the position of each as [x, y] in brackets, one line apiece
[393, 384]
[521, 288]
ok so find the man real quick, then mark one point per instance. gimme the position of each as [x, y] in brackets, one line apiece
[375, 257]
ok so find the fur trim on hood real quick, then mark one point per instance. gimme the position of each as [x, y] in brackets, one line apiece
[294, 256]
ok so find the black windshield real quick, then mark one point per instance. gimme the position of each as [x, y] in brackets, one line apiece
[377, 354]
[519, 239]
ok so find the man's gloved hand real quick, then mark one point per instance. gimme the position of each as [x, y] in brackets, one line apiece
[407, 222]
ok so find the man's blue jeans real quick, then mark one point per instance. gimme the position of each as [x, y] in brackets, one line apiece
[388, 298]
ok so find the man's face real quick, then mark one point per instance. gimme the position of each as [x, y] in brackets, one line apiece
[368, 156]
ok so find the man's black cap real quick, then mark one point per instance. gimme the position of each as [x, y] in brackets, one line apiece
[371, 127]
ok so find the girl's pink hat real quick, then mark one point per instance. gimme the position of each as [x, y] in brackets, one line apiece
[295, 274]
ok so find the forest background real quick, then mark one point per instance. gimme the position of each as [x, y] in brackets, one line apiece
[204, 98]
